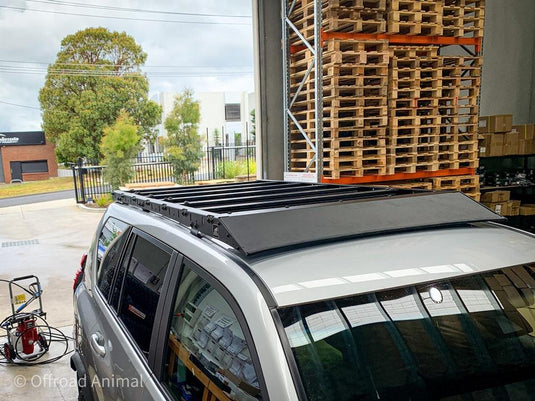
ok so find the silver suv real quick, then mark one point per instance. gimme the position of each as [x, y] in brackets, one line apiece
[289, 291]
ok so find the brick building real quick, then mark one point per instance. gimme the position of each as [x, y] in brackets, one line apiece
[26, 156]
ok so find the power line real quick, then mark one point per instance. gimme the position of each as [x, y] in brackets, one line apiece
[119, 65]
[129, 18]
[20, 105]
[128, 9]
[103, 73]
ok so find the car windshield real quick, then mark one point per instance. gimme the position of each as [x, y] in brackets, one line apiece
[471, 338]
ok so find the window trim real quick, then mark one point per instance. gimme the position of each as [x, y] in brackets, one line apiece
[234, 306]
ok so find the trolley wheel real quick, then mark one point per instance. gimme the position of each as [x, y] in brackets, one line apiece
[9, 352]
[42, 341]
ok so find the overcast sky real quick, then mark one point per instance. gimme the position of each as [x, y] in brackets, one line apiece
[198, 55]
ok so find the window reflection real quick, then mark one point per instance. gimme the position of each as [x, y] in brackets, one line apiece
[478, 343]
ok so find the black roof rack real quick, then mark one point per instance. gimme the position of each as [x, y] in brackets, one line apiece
[258, 216]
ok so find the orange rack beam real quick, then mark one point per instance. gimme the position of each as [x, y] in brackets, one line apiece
[398, 39]
[399, 176]
[405, 39]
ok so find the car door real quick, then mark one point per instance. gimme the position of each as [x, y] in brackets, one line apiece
[121, 339]
[205, 350]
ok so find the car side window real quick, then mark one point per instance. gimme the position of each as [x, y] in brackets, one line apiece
[207, 354]
[110, 244]
[147, 266]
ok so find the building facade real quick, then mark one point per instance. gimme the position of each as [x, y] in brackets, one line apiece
[26, 156]
[225, 117]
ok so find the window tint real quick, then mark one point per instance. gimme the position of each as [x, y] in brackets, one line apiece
[145, 275]
[465, 339]
[208, 356]
[110, 243]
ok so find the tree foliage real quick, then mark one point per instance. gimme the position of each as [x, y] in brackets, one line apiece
[96, 75]
[120, 145]
[183, 144]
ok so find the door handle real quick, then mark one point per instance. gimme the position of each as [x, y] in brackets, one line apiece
[97, 343]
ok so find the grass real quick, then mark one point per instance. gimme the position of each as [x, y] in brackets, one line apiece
[36, 187]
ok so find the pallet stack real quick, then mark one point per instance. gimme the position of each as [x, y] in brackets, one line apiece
[388, 108]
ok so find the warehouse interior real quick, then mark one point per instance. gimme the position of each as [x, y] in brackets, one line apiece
[455, 113]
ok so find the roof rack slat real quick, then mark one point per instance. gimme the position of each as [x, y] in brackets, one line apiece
[260, 196]
[301, 200]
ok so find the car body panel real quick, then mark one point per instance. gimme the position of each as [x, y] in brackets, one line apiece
[380, 262]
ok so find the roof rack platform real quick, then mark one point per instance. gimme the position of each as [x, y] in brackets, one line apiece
[259, 216]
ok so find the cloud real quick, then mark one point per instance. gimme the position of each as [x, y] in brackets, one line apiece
[33, 36]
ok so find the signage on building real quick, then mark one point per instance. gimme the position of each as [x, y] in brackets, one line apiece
[22, 138]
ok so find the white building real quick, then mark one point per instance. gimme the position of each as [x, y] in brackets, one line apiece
[225, 116]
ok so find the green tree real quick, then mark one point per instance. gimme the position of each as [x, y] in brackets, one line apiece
[183, 144]
[217, 137]
[96, 75]
[120, 145]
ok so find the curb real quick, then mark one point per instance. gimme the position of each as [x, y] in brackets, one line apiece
[91, 209]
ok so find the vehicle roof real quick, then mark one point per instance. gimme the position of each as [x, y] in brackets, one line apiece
[389, 261]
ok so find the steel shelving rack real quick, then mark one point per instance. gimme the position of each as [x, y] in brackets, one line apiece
[471, 45]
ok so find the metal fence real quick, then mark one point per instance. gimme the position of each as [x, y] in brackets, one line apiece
[218, 162]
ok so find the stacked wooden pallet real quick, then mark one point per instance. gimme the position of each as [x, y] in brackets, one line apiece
[463, 18]
[355, 83]
[414, 124]
[453, 18]
[387, 109]
[467, 184]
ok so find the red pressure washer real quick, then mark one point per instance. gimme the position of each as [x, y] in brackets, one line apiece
[22, 328]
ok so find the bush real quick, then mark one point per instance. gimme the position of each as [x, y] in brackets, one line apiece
[104, 200]
[234, 168]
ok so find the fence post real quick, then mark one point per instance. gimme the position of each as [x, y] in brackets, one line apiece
[223, 151]
[247, 147]
[81, 176]
[75, 178]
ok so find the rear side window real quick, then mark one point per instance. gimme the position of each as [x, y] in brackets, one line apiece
[464, 339]
[147, 267]
[110, 244]
[208, 357]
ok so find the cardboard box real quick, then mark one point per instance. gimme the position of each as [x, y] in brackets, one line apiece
[527, 210]
[496, 196]
[513, 208]
[492, 145]
[498, 123]
[530, 132]
[512, 143]
[502, 208]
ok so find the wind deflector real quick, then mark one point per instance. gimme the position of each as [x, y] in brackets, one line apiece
[264, 215]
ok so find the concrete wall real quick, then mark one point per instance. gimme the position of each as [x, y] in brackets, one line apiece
[509, 51]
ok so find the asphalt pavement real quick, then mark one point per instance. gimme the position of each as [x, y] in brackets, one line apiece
[29, 199]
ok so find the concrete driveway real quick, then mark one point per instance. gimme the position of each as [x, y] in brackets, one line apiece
[45, 239]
